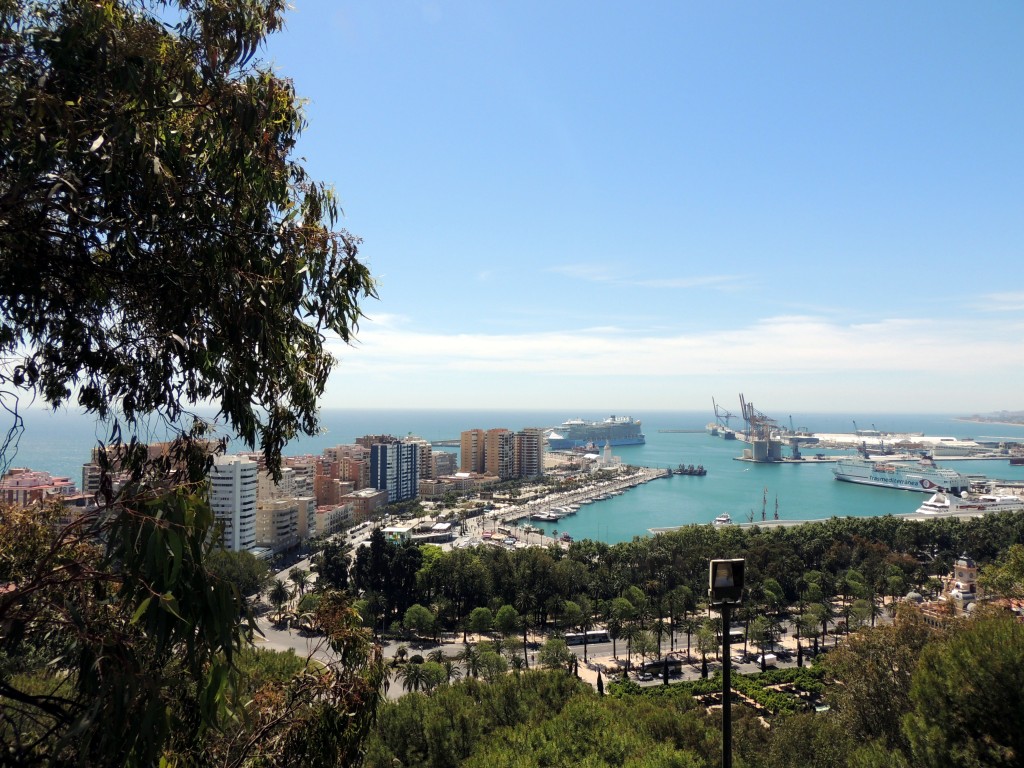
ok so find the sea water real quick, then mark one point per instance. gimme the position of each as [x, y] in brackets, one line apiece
[60, 443]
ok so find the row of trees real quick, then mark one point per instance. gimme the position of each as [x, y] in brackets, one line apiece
[909, 696]
[647, 591]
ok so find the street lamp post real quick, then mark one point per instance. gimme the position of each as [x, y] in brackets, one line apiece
[725, 589]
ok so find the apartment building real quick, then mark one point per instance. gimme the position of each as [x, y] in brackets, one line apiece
[472, 446]
[443, 463]
[393, 468]
[364, 502]
[234, 481]
[529, 452]
[499, 453]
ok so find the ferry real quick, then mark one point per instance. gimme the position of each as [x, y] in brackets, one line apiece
[923, 477]
[723, 519]
[944, 504]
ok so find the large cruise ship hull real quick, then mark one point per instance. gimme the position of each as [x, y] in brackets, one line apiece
[577, 433]
[922, 479]
[567, 444]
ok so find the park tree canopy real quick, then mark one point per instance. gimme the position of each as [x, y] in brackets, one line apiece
[159, 247]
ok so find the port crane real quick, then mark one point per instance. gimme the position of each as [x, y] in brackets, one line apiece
[722, 416]
[759, 426]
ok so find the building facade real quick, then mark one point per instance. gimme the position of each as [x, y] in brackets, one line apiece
[499, 453]
[234, 481]
[394, 468]
[529, 452]
[471, 443]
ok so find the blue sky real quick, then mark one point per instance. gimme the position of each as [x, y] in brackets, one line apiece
[616, 207]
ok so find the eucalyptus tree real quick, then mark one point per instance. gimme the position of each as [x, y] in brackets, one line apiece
[161, 251]
[160, 248]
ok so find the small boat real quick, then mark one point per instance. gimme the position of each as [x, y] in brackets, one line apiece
[722, 519]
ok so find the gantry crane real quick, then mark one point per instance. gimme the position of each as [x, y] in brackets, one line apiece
[722, 416]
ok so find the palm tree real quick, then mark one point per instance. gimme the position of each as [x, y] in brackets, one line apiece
[412, 676]
[630, 633]
[517, 662]
[451, 670]
[279, 595]
[470, 658]
[401, 652]
[826, 614]
[300, 578]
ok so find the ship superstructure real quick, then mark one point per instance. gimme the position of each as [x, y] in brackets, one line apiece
[615, 430]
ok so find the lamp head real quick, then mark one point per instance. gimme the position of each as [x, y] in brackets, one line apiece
[725, 581]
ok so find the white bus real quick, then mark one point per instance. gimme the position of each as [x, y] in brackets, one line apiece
[593, 636]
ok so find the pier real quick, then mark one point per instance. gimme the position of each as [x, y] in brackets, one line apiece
[914, 516]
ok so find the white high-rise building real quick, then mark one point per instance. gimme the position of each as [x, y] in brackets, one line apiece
[233, 484]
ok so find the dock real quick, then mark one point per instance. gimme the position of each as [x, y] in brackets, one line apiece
[913, 516]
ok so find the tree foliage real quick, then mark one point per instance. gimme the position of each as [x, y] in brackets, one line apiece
[159, 246]
[138, 636]
[968, 698]
[243, 569]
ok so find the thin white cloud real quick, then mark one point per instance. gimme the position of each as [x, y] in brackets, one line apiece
[602, 273]
[1010, 301]
[782, 345]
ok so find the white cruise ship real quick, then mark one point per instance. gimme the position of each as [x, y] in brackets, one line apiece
[944, 504]
[923, 476]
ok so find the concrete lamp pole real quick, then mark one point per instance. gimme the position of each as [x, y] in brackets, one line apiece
[725, 589]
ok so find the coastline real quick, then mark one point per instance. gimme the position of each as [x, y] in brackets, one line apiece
[966, 420]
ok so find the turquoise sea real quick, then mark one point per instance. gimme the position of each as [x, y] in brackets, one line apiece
[60, 443]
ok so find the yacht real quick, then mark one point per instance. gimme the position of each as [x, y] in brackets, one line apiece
[722, 519]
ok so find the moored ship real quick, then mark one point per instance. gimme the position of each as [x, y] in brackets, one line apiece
[615, 430]
[923, 477]
[944, 503]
